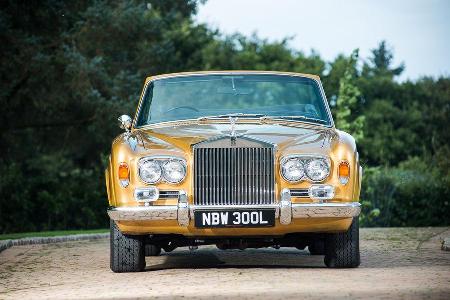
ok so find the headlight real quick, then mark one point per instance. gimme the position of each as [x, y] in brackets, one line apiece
[150, 170]
[292, 169]
[174, 171]
[317, 169]
[295, 167]
[169, 168]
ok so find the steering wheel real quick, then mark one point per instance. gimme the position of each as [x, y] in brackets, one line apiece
[181, 107]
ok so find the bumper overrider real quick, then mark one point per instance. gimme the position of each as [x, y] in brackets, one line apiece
[285, 210]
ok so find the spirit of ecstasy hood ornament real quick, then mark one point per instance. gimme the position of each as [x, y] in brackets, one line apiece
[233, 130]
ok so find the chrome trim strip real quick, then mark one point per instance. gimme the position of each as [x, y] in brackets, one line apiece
[183, 209]
[242, 141]
[171, 212]
[285, 207]
[326, 210]
[143, 213]
[285, 210]
[192, 208]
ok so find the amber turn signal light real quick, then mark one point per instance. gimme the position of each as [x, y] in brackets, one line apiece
[124, 174]
[344, 172]
[123, 171]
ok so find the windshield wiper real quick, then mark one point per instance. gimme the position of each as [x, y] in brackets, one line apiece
[240, 115]
[302, 118]
[263, 117]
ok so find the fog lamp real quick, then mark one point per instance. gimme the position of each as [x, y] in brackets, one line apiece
[321, 192]
[146, 195]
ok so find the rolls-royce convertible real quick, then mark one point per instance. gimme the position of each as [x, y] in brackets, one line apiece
[236, 159]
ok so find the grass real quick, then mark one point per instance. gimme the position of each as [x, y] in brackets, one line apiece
[13, 236]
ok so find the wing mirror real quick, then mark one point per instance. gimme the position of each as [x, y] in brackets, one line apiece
[125, 122]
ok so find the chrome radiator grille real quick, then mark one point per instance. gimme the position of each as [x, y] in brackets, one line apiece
[233, 176]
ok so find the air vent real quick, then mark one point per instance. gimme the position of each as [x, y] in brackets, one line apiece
[168, 194]
[300, 193]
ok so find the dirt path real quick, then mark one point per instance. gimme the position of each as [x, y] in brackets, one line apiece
[396, 263]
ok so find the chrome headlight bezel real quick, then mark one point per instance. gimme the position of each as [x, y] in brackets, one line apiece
[305, 159]
[182, 165]
[325, 165]
[161, 161]
[300, 168]
[149, 160]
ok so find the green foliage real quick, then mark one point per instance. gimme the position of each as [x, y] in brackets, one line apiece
[347, 101]
[412, 194]
[48, 192]
[237, 52]
[73, 67]
[69, 68]
[381, 63]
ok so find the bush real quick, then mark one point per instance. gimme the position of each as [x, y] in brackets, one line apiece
[50, 192]
[412, 194]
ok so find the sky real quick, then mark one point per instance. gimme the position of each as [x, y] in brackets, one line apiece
[418, 31]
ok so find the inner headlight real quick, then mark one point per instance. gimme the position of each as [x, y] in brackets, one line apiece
[317, 169]
[174, 171]
[292, 169]
[150, 171]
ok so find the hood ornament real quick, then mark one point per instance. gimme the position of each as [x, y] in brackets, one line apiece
[233, 130]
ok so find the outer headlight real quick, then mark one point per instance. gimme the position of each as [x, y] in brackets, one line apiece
[174, 171]
[317, 169]
[150, 171]
[292, 169]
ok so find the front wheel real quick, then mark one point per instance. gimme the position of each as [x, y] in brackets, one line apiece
[342, 249]
[127, 251]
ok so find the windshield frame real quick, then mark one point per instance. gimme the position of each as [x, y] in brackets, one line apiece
[187, 74]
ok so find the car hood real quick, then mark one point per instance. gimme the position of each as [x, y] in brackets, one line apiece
[295, 137]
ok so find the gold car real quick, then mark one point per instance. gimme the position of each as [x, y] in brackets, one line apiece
[239, 159]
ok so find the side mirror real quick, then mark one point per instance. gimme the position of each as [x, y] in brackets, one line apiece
[125, 122]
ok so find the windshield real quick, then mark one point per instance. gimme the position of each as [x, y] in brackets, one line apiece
[196, 96]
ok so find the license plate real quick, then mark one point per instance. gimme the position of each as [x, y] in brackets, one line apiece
[234, 218]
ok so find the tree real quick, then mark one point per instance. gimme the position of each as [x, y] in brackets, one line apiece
[348, 100]
[69, 68]
[381, 63]
[72, 68]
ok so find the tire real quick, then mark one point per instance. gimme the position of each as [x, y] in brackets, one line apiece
[127, 251]
[152, 250]
[317, 247]
[342, 249]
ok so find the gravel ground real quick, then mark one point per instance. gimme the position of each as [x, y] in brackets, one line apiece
[405, 263]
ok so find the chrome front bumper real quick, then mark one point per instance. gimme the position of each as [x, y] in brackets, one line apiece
[285, 210]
